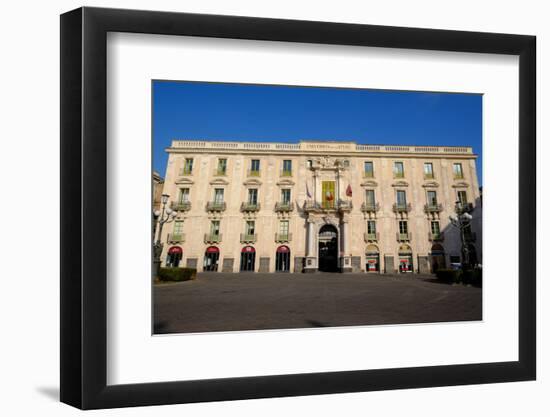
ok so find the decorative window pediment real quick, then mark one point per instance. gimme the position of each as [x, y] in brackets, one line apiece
[219, 181]
[286, 182]
[369, 183]
[431, 184]
[400, 184]
[461, 184]
[252, 181]
[184, 181]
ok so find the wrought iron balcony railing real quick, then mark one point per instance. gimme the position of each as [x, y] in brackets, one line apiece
[248, 238]
[404, 237]
[176, 237]
[462, 208]
[370, 207]
[402, 207]
[368, 174]
[180, 205]
[247, 206]
[372, 237]
[398, 175]
[436, 237]
[286, 173]
[429, 176]
[283, 237]
[284, 206]
[220, 172]
[433, 208]
[216, 206]
[341, 205]
[253, 172]
[212, 238]
[186, 171]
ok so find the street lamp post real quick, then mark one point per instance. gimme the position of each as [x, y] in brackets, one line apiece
[166, 215]
[461, 220]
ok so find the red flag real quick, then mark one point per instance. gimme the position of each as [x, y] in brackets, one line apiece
[348, 191]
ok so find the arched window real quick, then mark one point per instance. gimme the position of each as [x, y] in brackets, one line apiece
[282, 259]
[175, 253]
[248, 258]
[211, 258]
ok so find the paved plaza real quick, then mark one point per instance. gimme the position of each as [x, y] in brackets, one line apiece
[256, 301]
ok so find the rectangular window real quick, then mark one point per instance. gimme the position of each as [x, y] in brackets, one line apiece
[428, 170]
[462, 198]
[309, 163]
[222, 167]
[215, 227]
[401, 198]
[252, 196]
[287, 168]
[187, 166]
[218, 195]
[369, 169]
[457, 171]
[432, 198]
[250, 227]
[184, 195]
[285, 195]
[435, 228]
[398, 170]
[371, 227]
[371, 201]
[403, 229]
[255, 167]
[178, 228]
[283, 227]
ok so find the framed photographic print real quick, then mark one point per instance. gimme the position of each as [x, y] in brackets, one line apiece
[258, 208]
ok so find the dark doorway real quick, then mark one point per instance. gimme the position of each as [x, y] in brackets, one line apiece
[248, 259]
[328, 249]
[438, 257]
[175, 253]
[282, 259]
[211, 258]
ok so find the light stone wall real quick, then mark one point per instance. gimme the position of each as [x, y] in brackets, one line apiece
[203, 180]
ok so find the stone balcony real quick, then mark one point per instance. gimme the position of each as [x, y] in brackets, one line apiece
[327, 206]
[370, 207]
[404, 237]
[282, 206]
[216, 206]
[436, 237]
[283, 237]
[247, 207]
[212, 238]
[402, 208]
[176, 238]
[371, 237]
[249, 238]
[180, 205]
[433, 208]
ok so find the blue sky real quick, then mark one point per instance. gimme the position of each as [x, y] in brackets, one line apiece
[264, 113]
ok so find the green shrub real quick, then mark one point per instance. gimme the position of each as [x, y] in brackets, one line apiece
[472, 277]
[177, 274]
[448, 275]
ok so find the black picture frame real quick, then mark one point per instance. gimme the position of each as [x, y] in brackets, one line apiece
[84, 207]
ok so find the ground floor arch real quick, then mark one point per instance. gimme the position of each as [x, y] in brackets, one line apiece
[405, 259]
[282, 259]
[174, 257]
[211, 259]
[248, 259]
[437, 256]
[372, 258]
[328, 248]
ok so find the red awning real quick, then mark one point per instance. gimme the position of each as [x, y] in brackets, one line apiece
[283, 249]
[212, 249]
[248, 249]
[175, 250]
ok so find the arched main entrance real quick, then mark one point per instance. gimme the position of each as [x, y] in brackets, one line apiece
[372, 256]
[211, 258]
[438, 257]
[175, 253]
[328, 248]
[405, 259]
[282, 259]
[248, 258]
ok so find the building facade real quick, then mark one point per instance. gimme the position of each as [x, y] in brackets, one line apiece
[317, 205]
